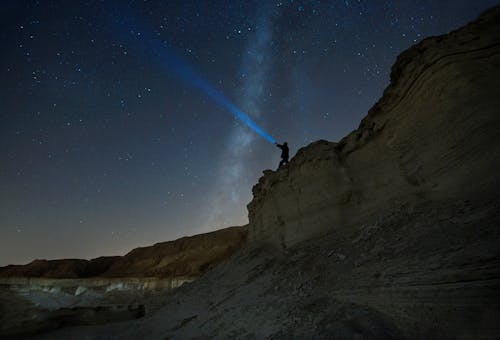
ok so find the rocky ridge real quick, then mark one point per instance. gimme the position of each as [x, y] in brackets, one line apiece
[187, 256]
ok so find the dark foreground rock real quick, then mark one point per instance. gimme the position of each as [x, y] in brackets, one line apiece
[21, 319]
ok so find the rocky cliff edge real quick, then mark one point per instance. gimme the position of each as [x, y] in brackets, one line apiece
[434, 135]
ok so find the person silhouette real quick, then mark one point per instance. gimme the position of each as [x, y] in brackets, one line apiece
[284, 153]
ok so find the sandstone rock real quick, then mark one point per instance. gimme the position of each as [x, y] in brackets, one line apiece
[433, 135]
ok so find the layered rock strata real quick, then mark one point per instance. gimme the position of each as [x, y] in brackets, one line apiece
[434, 135]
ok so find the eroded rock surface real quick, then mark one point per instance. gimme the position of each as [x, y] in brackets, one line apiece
[434, 135]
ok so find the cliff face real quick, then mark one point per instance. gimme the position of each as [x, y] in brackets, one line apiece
[434, 135]
[187, 256]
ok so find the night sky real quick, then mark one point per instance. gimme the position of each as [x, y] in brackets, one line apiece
[106, 144]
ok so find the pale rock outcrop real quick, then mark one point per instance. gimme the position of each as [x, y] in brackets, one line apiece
[435, 134]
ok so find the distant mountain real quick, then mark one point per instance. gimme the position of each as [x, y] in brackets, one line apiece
[187, 256]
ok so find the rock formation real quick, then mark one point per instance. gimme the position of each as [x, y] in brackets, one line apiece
[434, 135]
[187, 256]
[64, 268]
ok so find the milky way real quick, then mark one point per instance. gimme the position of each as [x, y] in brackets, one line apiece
[102, 150]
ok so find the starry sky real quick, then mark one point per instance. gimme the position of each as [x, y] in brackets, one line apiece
[104, 147]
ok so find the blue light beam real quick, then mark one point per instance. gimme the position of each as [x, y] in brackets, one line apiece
[151, 46]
